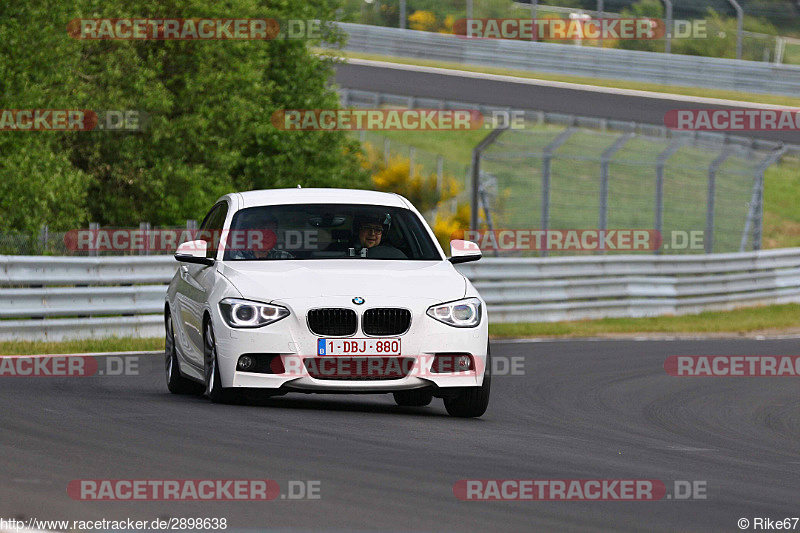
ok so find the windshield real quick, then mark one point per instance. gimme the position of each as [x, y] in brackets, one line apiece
[328, 231]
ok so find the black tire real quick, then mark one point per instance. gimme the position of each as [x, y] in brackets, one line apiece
[472, 401]
[413, 398]
[176, 383]
[214, 390]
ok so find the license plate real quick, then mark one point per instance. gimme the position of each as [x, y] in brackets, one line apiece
[358, 347]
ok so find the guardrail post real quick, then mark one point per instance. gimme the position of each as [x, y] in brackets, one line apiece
[386, 152]
[403, 14]
[708, 238]
[469, 9]
[605, 164]
[412, 157]
[661, 162]
[547, 156]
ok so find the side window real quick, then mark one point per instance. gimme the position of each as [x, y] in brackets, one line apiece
[211, 228]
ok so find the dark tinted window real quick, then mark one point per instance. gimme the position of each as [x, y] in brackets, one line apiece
[211, 228]
[328, 231]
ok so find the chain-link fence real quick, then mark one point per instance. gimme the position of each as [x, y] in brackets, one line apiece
[565, 173]
[95, 240]
[718, 39]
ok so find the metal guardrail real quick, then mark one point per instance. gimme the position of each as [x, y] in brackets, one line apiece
[58, 298]
[577, 288]
[124, 297]
[632, 65]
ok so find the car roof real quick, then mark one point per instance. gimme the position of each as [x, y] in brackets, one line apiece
[319, 196]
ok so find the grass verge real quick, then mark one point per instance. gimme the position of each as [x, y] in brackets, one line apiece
[768, 319]
[81, 346]
[599, 82]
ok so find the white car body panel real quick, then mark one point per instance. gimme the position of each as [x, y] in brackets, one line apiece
[301, 285]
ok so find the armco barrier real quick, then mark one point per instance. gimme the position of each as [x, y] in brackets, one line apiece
[57, 298]
[608, 63]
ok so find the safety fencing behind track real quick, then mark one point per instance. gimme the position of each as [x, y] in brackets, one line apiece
[607, 63]
[57, 298]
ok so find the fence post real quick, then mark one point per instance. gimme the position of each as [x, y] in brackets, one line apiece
[191, 227]
[605, 164]
[600, 9]
[439, 175]
[669, 28]
[661, 162]
[739, 27]
[94, 227]
[44, 235]
[386, 151]
[708, 238]
[144, 227]
[476, 172]
[756, 213]
[547, 156]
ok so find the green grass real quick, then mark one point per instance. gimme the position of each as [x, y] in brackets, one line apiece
[767, 319]
[599, 82]
[81, 346]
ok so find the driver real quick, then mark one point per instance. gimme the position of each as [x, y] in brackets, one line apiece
[369, 232]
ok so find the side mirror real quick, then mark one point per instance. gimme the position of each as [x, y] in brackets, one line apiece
[464, 252]
[193, 252]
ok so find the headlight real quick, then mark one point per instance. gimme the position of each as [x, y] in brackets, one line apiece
[246, 314]
[460, 314]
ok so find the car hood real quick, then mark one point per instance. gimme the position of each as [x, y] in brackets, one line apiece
[286, 280]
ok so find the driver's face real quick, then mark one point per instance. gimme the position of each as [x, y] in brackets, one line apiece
[370, 235]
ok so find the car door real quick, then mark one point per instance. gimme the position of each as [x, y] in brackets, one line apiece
[196, 283]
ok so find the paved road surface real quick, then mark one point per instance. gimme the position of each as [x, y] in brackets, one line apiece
[582, 410]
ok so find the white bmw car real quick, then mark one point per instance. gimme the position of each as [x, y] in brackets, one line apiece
[325, 291]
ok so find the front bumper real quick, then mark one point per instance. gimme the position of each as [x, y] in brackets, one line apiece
[291, 340]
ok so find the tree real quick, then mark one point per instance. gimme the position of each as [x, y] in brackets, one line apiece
[208, 105]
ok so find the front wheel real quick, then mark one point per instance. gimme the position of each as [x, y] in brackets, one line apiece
[472, 402]
[214, 390]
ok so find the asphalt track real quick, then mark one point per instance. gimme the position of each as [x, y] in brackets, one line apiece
[582, 410]
[526, 94]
